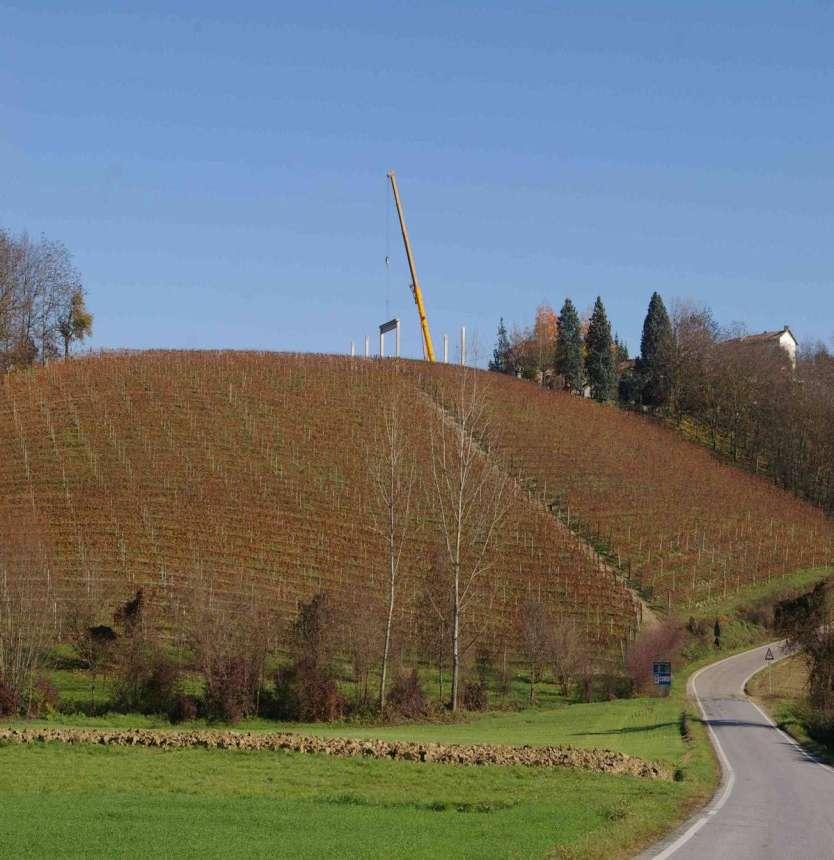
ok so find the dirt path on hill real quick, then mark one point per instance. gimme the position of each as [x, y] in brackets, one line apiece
[645, 616]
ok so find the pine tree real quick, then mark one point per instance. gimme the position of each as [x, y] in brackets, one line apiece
[502, 354]
[656, 354]
[569, 362]
[602, 374]
[620, 349]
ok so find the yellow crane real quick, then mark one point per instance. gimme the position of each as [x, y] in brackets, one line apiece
[428, 349]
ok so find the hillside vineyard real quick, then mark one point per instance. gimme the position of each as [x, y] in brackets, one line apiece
[245, 474]
[683, 526]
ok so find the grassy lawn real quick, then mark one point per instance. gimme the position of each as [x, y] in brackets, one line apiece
[104, 801]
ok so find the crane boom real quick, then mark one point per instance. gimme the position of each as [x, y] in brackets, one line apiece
[428, 349]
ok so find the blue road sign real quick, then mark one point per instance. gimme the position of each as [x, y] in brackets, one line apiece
[662, 673]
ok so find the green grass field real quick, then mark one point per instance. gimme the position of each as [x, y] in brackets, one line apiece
[96, 801]
[106, 801]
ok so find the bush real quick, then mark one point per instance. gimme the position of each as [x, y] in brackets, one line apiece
[820, 725]
[696, 626]
[230, 693]
[9, 700]
[406, 698]
[655, 643]
[147, 682]
[183, 709]
[475, 697]
[302, 694]
[614, 686]
[758, 616]
[44, 698]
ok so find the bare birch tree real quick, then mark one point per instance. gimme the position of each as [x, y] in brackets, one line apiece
[392, 472]
[470, 499]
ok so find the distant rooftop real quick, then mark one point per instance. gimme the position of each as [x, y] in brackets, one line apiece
[764, 336]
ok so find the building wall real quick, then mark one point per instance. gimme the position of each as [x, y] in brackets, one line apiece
[787, 343]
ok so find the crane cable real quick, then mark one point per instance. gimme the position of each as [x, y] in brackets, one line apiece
[387, 252]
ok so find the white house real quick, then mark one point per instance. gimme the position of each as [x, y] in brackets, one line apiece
[783, 339]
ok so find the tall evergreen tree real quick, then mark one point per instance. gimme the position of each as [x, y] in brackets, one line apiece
[656, 355]
[599, 346]
[569, 362]
[501, 361]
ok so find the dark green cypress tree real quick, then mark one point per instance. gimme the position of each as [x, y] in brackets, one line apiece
[599, 361]
[568, 361]
[656, 355]
[501, 357]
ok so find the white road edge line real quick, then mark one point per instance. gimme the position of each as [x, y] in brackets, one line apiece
[728, 775]
[809, 756]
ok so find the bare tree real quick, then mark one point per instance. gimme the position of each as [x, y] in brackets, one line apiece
[27, 618]
[469, 496]
[41, 298]
[230, 642]
[536, 631]
[568, 652]
[392, 472]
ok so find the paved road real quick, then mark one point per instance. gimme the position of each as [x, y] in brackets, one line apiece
[775, 801]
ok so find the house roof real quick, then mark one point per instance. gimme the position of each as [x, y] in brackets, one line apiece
[764, 337]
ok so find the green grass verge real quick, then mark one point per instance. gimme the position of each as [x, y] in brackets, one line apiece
[781, 690]
[760, 593]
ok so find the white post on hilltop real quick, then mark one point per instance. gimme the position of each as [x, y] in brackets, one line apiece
[381, 345]
[352, 349]
[445, 349]
[367, 346]
[398, 338]
[463, 345]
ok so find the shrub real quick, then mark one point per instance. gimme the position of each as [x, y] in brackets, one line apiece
[9, 699]
[183, 709]
[302, 694]
[230, 693]
[614, 686]
[759, 616]
[307, 690]
[44, 699]
[696, 626]
[819, 724]
[406, 698]
[655, 643]
[484, 665]
[475, 697]
[146, 681]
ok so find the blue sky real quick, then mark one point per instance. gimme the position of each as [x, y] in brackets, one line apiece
[219, 171]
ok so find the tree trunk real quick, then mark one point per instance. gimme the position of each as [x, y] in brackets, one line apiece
[386, 650]
[456, 641]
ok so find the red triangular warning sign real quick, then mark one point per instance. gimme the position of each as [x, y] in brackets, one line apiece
[769, 656]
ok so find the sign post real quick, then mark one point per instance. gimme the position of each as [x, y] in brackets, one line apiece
[662, 675]
[391, 325]
[769, 658]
